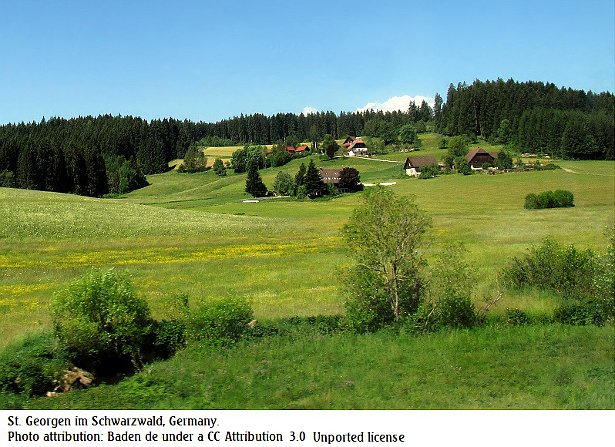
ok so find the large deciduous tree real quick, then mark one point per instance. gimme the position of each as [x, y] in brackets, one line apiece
[330, 146]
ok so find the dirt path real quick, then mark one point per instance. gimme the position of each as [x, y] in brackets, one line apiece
[586, 173]
[372, 159]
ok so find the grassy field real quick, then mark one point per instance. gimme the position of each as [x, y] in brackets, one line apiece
[543, 367]
[191, 233]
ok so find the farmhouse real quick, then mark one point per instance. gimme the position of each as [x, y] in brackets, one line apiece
[348, 141]
[478, 156]
[331, 175]
[355, 147]
[414, 165]
[295, 150]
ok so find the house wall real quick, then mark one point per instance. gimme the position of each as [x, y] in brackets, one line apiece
[412, 172]
[481, 159]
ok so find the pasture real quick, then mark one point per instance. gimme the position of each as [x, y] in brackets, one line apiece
[192, 234]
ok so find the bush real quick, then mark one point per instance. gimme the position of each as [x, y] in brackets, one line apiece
[429, 171]
[168, 337]
[449, 301]
[516, 317]
[531, 201]
[101, 321]
[604, 277]
[32, 366]
[283, 184]
[463, 167]
[367, 301]
[219, 167]
[563, 199]
[549, 199]
[550, 265]
[580, 313]
[222, 320]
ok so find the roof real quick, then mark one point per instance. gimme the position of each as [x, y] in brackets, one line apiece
[302, 148]
[420, 161]
[356, 143]
[480, 151]
[330, 175]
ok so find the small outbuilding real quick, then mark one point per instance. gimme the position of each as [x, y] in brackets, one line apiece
[414, 165]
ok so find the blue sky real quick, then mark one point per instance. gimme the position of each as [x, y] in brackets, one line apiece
[209, 60]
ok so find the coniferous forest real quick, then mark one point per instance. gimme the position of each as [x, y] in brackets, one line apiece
[94, 156]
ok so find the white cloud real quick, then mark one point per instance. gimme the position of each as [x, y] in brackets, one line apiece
[308, 110]
[396, 103]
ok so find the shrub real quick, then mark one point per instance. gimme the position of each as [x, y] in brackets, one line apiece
[463, 167]
[546, 200]
[429, 171]
[531, 201]
[222, 320]
[549, 199]
[367, 301]
[219, 167]
[563, 199]
[32, 366]
[101, 321]
[168, 337]
[449, 300]
[283, 184]
[7, 179]
[550, 265]
[516, 317]
[580, 313]
[604, 277]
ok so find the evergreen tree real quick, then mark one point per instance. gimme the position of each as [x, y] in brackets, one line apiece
[254, 182]
[437, 110]
[194, 161]
[314, 186]
[300, 176]
[96, 175]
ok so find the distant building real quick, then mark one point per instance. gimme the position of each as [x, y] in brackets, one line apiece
[348, 141]
[331, 175]
[477, 157]
[295, 150]
[414, 165]
[355, 147]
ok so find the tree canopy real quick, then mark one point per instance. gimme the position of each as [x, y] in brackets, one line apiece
[384, 236]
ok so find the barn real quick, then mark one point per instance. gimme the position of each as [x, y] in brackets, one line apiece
[477, 157]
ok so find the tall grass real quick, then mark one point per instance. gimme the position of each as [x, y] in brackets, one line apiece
[535, 367]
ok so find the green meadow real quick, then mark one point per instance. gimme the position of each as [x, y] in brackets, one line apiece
[193, 234]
